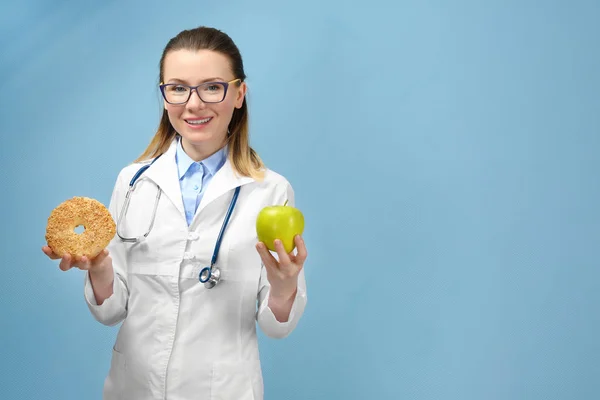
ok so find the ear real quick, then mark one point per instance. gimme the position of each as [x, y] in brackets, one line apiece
[241, 93]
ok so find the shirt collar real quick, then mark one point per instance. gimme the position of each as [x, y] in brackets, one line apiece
[212, 163]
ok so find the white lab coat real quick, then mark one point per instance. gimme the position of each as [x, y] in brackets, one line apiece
[179, 340]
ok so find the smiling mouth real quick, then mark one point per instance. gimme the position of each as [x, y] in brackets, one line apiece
[198, 121]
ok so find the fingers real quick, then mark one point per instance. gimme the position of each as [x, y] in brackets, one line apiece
[289, 266]
[84, 263]
[284, 258]
[267, 258]
[69, 262]
[48, 251]
[286, 261]
[302, 253]
[66, 263]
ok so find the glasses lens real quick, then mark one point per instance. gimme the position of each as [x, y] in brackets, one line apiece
[212, 92]
[176, 93]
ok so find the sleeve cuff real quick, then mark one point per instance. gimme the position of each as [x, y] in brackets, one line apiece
[274, 328]
[113, 308]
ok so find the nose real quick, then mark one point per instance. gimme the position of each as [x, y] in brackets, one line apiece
[195, 102]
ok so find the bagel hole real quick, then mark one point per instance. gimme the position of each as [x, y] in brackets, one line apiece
[79, 229]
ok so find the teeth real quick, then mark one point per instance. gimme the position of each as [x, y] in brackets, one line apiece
[199, 121]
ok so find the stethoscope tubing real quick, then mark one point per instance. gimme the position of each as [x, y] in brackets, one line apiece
[209, 275]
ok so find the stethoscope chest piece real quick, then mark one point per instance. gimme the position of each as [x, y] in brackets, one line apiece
[210, 277]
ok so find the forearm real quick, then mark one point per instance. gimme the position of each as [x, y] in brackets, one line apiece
[102, 283]
[281, 305]
[281, 302]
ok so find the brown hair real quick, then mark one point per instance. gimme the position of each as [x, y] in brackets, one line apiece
[244, 159]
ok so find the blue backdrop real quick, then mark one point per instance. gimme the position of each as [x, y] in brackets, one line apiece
[445, 155]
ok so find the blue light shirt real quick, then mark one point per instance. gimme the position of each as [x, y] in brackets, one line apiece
[194, 177]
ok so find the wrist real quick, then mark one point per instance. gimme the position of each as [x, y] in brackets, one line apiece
[283, 294]
[281, 302]
[101, 274]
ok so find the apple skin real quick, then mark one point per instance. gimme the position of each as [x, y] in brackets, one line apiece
[279, 222]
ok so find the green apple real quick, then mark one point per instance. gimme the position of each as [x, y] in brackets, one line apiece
[279, 222]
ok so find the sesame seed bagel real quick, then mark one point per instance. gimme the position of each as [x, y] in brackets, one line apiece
[97, 221]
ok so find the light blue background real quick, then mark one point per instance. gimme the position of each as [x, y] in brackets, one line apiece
[445, 154]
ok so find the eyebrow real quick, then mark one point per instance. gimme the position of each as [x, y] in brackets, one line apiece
[216, 78]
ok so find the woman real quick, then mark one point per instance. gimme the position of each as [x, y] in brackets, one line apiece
[180, 339]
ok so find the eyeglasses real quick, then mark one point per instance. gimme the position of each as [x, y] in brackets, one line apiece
[209, 92]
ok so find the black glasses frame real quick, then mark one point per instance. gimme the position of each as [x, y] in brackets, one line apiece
[163, 87]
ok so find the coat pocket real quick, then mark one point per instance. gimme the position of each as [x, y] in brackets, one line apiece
[232, 381]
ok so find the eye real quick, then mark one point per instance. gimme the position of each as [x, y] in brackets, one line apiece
[176, 89]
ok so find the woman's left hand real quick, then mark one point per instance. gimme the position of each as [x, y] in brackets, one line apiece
[283, 274]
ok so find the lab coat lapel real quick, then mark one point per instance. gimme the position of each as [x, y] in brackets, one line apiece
[224, 181]
[164, 173]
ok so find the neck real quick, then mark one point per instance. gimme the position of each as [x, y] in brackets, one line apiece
[199, 152]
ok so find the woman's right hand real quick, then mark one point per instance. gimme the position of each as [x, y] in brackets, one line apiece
[101, 262]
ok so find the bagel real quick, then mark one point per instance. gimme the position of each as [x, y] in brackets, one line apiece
[99, 228]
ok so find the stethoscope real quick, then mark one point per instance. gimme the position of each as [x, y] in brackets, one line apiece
[210, 275]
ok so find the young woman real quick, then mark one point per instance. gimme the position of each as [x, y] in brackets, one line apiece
[181, 337]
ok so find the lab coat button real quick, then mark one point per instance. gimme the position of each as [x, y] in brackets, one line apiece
[193, 236]
[188, 256]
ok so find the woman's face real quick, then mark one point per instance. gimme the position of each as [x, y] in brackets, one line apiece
[202, 126]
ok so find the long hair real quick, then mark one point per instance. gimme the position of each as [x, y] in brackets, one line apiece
[244, 159]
